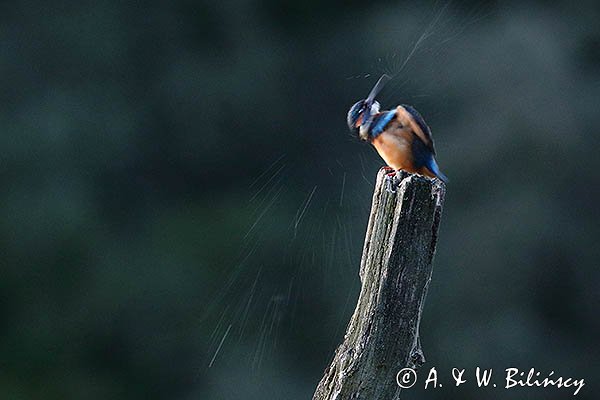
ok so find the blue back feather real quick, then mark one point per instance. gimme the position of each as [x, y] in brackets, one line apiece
[433, 167]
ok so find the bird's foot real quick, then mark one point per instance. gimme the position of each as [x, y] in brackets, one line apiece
[393, 179]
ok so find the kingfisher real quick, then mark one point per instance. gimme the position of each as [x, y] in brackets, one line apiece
[400, 136]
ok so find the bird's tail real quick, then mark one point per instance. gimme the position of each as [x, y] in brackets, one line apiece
[433, 167]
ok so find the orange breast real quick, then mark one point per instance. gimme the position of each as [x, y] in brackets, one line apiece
[395, 149]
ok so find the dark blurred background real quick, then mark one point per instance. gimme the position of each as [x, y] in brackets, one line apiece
[184, 207]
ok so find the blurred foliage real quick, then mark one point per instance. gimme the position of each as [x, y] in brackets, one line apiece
[184, 208]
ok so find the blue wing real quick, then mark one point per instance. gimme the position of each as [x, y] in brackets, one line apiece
[380, 121]
[422, 124]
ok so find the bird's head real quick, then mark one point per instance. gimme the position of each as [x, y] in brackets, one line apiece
[361, 113]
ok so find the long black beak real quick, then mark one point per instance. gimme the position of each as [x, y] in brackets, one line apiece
[377, 88]
[367, 118]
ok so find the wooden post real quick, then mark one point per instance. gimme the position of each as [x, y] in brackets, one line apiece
[383, 335]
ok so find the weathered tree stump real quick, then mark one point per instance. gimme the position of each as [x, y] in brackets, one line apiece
[383, 335]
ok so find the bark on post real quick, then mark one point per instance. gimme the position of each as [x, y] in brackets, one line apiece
[383, 335]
